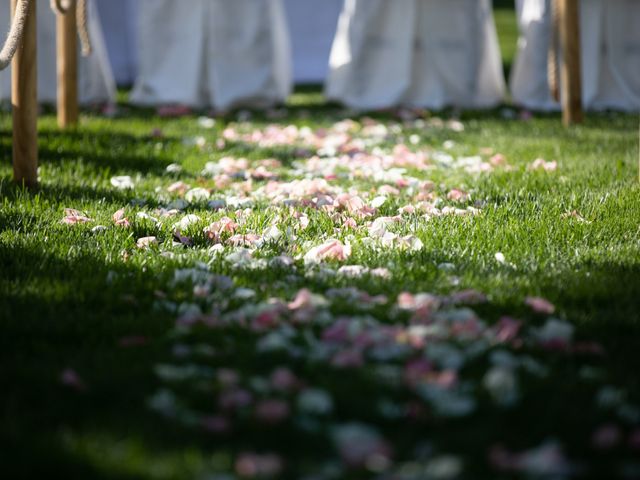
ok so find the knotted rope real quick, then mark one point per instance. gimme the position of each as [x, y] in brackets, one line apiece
[553, 60]
[63, 7]
[83, 27]
[14, 39]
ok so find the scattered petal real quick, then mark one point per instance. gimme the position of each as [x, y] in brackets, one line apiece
[70, 378]
[73, 217]
[540, 305]
[330, 250]
[147, 242]
[186, 222]
[197, 195]
[542, 164]
[123, 182]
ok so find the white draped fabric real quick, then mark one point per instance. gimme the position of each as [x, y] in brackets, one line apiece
[119, 20]
[610, 37]
[313, 26]
[95, 78]
[217, 53]
[423, 53]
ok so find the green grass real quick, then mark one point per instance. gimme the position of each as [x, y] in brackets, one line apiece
[507, 32]
[67, 295]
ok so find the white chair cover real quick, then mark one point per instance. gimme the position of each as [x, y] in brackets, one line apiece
[312, 24]
[217, 53]
[423, 53]
[119, 19]
[610, 41]
[95, 78]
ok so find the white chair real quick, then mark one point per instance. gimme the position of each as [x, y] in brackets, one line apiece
[119, 20]
[96, 83]
[610, 42]
[312, 24]
[212, 53]
[419, 53]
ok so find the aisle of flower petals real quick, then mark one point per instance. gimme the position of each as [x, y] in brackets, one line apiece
[291, 353]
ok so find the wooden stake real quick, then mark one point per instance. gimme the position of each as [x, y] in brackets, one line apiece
[571, 69]
[67, 60]
[24, 101]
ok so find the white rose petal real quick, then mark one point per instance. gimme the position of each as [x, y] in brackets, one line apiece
[353, 271]
[240, 257]
[378, 201]
[173, 168]
[146, 242]
[315, 401]
[502, 384]
[206, 122]
[272, 234]
[146, 216]
[197, 195]
[123, 182]
[186, 221]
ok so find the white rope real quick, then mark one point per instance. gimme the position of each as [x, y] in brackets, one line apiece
[83, 27]
[554, 51]
[14, 39]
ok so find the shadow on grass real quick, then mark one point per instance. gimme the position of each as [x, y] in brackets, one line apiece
[56, 192]
[14, 220]
[58, 313]
[117, 152]
[603, 301]
[38, 459]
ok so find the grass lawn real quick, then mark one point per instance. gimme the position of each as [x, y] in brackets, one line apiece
[228, 346]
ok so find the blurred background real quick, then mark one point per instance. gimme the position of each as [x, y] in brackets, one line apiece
[312, 26]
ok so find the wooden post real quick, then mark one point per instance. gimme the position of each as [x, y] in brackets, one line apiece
[571, 66]
[24, 101]
[67, 61]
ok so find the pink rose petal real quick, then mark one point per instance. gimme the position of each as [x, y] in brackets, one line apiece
[540, 305]
[73, 217]
[119, 218]
[70, 378]
[330, 250]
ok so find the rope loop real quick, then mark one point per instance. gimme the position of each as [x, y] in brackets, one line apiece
[14, 39]
[63, 7]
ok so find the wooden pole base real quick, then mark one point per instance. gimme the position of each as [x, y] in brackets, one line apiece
[67, 61]
[24, 100]
[571, 75]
